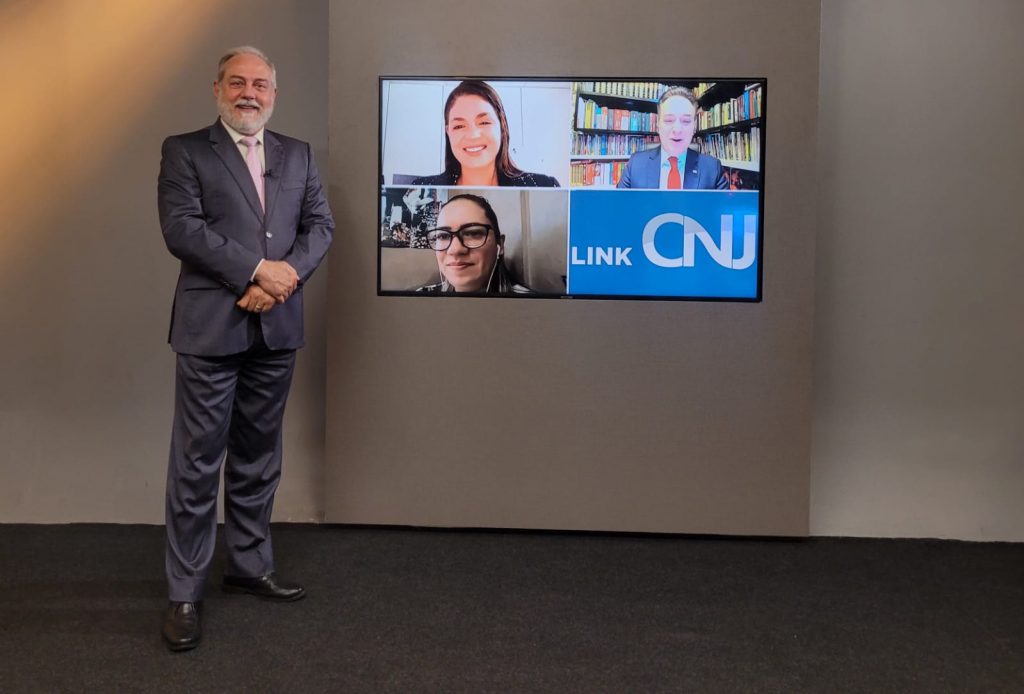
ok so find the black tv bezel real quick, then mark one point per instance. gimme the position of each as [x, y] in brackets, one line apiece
[758, 298]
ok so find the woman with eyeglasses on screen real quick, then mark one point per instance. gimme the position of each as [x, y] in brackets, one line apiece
[469, 248]
[476, 143]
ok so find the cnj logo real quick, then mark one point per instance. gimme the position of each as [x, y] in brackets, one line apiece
[692, 231]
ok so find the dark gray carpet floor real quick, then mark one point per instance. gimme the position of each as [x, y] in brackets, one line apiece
[403, 610]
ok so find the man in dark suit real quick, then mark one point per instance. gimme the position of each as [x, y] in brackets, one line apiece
[673, 165]
[242, 208]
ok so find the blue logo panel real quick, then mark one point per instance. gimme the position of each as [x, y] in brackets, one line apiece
[664, 243]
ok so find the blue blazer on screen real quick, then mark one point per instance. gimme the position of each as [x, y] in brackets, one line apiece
[212, 222]
[700, 172]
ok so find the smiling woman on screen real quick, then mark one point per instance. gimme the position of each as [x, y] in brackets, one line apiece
[476, 143]
[470, 249]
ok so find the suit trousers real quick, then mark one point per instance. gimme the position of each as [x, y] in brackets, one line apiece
[228, 410]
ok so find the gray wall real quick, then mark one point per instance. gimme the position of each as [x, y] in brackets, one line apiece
[87, 376]
[919, 343]
[919, 388]
[645, 416]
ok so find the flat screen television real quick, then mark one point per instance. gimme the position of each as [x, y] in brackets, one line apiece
[571, 188]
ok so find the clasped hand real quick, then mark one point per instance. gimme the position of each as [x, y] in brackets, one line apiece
[277, 278]
[255, 300]
[273, 284]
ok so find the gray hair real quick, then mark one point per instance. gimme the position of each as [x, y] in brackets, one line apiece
[246, 50]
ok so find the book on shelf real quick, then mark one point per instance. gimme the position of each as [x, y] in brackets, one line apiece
[739, 146]
[746, 106]
[610, 144]
[626, 90]
[702, 89]
[592, 115]
[596, 173]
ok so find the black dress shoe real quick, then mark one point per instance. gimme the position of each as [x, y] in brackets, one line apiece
[181, 626]
[266, 587]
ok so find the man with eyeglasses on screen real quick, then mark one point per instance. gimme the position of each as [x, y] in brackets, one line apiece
[673, 165]
[243, 209]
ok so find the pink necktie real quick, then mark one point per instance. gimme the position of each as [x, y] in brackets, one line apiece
[252, 160]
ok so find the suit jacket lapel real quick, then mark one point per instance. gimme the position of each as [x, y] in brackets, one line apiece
[691, 177]
[232, 158]
[274, 153]
[653, 169]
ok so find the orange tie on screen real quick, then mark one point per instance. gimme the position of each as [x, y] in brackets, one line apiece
[674, 182]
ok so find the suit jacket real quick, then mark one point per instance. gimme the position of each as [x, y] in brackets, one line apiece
[700, 172]
[212, 222]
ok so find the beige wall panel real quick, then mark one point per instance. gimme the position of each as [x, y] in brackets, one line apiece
[606, 415]
[919, 373]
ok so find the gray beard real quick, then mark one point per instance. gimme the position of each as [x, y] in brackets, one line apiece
[247, 126]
